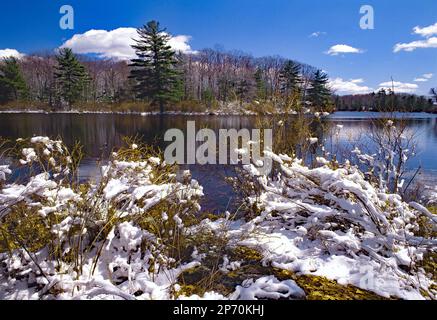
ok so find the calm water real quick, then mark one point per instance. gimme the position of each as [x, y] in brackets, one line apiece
[100, 133]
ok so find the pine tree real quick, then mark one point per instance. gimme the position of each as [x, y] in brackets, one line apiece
[71, 77]
[242, 90]
[319, 94]
[155, 66]
[381, 100]
[289, 78]
[261, 86]
[289, 81]
[12, 83]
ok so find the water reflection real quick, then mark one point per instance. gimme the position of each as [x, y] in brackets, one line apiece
[100, 133]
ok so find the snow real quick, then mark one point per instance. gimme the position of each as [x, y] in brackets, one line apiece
[267, 287]
[43, 140]
[322, 160]
[313, 140]
[4, 171]
[130, 236]
[229, 265]
[114, 187]
[155, 160]
[29, 154]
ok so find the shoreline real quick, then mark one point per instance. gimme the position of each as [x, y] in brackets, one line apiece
[205, 113]
[156, 113]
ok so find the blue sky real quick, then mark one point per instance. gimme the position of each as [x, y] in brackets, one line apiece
[259, 27]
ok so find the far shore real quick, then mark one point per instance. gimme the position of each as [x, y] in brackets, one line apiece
[204, 113]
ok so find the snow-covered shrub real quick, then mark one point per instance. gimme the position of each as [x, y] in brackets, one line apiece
[121, 237]
[296, 135]
[334, 222]
[393, 145]
[430, 196]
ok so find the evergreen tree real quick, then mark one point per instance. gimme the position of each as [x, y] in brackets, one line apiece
[243, 90]
[381, 100]
[12, 83]
[289, 78]
[71, 77]
[225, 87]
[319, 94]
[261, 86]
[208, 97]
[155, 66]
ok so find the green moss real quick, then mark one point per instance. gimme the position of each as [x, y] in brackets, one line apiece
[426, 226]
[433, 209]
[429, 264]
[207, 277]
[189, 290]
[246, 254]
[23, 226]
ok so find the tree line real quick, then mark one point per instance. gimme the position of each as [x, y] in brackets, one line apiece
[385, 101]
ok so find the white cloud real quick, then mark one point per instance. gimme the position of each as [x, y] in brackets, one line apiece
[317, 34]
[349, 86]
[424, 78]
[180, 43]
[116, 44]
[426, 31]
[411, 46]
[399, 86]
[6, 53]
[342, 48]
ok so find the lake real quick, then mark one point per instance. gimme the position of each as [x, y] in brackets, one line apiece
[100, 133]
